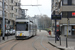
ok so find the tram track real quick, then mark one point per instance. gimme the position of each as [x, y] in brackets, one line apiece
[40, 43]
[6, 44]
[34, 43]
[12, 48]
[15, 45]
[9, 43]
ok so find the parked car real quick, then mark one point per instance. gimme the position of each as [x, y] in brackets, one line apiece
[13, 31]
[7, 33]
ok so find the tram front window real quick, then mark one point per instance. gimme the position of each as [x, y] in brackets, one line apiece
[21, 27]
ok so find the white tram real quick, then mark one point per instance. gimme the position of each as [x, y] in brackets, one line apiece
[25, 29]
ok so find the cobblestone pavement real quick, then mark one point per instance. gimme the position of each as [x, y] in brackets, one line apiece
[39, 42]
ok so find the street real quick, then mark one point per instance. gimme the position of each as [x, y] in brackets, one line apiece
[39, 42]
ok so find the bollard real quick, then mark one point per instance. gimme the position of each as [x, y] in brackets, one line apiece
[66, 43]
[7, 35]
[60, 41]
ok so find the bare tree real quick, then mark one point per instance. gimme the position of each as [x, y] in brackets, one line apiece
[44, 22]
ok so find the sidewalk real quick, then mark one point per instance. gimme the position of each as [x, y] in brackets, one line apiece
[6, 39]
[71, 43]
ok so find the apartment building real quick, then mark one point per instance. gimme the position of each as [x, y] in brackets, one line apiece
[11, 11]
[22, 13]
[55, 11]
[67, 9]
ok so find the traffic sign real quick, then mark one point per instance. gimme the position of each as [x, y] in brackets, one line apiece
[57, 17]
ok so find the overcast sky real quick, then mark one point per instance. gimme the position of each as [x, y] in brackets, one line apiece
[45, 7]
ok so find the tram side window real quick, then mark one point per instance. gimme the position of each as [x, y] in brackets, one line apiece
[29, 27]
[26, 27]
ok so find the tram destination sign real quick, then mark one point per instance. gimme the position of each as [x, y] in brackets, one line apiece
[57, 17]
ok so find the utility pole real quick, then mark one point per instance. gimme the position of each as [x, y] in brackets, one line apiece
[55, 30]
[3, 15]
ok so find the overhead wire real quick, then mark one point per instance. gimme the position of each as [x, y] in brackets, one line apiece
[38, 8]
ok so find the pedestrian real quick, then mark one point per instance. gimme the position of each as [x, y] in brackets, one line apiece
[58, 34]
[49, 32]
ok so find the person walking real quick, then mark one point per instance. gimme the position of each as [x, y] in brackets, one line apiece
[49, 32]
[58, 34]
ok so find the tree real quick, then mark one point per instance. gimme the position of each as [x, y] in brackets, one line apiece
[44, 22]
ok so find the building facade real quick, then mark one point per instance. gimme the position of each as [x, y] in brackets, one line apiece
[11, 12]
[22, 13]
[66, 9]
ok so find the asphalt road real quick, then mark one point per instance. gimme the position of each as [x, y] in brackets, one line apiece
[39, 42]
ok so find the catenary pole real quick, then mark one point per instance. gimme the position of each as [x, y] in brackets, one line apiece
[3, 15]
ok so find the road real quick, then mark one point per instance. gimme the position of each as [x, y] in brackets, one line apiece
[39, 42]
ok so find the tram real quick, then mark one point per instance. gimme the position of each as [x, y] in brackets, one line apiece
[25, 29]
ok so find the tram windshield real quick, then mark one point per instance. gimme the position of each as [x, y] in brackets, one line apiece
[21, 26]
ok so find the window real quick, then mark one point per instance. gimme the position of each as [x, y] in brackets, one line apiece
[5, 14]
[11, 1]
[64, 14]
[15, 16]
[16, 4]
[65, 2]
[73, 2]
[0, 12]
[11, 14]
[68, 14]
[6, 7]
[59, 5]
[0, 4]
[16, 10]
[11, 7]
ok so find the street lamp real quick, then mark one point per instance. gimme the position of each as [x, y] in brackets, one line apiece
[3, 15]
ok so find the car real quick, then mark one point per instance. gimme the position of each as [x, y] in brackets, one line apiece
[7, 32]
[11, 31]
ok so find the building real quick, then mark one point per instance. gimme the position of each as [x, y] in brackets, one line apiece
[11, 12]
[55, 10]
[66, 9]
[22, 13]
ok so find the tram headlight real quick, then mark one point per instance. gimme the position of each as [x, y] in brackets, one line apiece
[24, 34]
[17, 35]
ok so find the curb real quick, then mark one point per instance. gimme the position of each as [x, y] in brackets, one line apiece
[56, 46]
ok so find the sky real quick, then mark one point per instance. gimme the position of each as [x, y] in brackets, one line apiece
[45, 7]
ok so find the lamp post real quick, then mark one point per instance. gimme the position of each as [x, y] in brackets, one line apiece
[3, 15]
